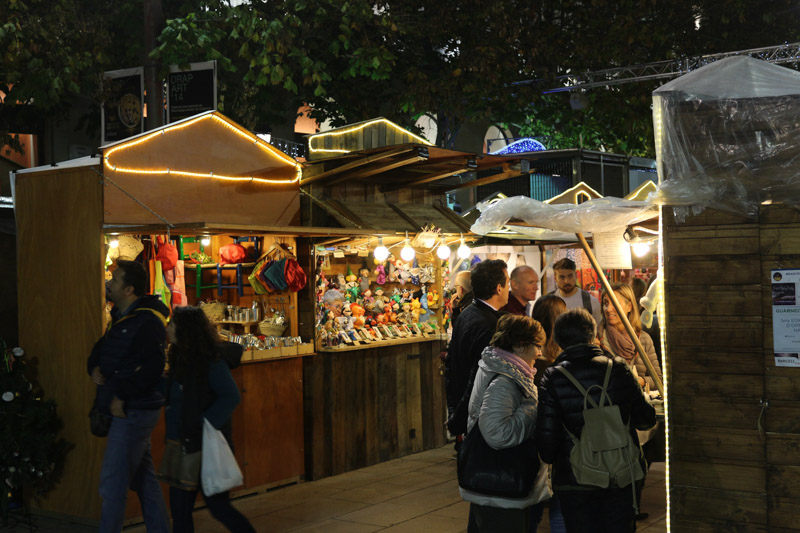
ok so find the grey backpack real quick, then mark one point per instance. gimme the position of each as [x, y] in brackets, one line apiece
[605, 455]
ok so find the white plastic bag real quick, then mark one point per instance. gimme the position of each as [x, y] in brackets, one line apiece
[219, 471]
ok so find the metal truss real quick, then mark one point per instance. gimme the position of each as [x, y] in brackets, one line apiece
[781, 54]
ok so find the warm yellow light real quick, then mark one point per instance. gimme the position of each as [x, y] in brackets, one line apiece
[337, 133]
[381, 253]
[640, 249]
[113, 243]
[662, 318]
[205, 241]
[443, 251]
[572, 195]
[274, 152]
[407, 254]
[463, 251]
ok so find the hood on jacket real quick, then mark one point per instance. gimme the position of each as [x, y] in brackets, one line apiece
[231, 353]
[491, 361]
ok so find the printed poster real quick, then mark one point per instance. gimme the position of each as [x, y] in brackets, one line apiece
[786, 317]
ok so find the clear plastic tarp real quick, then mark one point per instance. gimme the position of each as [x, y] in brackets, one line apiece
[728, 137]
[598, 215]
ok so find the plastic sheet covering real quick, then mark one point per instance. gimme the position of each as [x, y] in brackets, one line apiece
[728, 137]
[598, 215]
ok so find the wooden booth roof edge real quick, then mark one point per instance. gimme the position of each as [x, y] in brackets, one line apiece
[213, 228]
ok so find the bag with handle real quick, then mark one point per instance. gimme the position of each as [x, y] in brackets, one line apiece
[605, 454]
[167, 253]
[219, 471]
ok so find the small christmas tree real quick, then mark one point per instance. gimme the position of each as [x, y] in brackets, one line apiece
[31, 451]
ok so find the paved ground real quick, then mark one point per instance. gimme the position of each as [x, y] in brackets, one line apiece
[415, 494]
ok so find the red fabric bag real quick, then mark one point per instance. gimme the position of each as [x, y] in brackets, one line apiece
[232, 253]
[294, 274]
[167, 253]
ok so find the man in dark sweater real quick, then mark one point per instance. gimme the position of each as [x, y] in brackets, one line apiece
[126, 364]
[471, 334]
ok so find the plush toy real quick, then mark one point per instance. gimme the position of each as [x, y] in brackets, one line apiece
[403, 272]
[381, 318]
[380, 272]
[340, 281]
[416, 309]
[346, 320]
[392, 274]
[405, 316]
[363, 279]
[358, 315]
[433, 297]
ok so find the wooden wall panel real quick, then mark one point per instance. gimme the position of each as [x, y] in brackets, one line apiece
[382, 403]
[711, 474]
[714, 412]
[695, 442]
[61, 294]
[705, 505]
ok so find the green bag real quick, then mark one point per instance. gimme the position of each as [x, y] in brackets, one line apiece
[254, 281]
[605, 455]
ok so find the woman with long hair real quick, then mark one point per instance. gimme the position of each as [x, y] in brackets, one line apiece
[614, 337]
[199, 386]
[545, 311]
[503, 404]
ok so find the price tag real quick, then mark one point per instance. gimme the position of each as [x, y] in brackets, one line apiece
[339, 254]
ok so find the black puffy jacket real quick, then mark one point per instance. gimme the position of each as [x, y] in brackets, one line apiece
[131, 356]
[561, 404]
[471, 334]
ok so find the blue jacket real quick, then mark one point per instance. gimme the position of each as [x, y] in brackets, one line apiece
[131, 356]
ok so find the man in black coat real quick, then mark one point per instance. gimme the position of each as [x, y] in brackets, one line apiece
[586, 508]
[471, 334]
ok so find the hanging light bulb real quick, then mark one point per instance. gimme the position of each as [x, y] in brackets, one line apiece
[381, 253]
[205, 241]
[407, 254]
[443, 251]
[640, 249]
[113, 243]
[463, 251]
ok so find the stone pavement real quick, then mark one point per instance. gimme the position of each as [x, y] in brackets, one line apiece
[414, 494]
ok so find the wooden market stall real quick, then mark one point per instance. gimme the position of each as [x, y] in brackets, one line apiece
[376, 399]
[727, 141]
[204, 177]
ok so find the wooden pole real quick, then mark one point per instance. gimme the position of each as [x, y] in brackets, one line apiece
[621, 313]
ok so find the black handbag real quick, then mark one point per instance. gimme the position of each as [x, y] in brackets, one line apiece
[178, 468]
[99, 423]
[508, 473]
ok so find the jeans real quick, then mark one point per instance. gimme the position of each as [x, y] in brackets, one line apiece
[181, 503]
[128, 465]
[486, 519]
[556, 518]
[598, 511]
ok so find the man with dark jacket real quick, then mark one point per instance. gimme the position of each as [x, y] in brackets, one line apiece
[586, 508]
[127, 364]
[471, 334]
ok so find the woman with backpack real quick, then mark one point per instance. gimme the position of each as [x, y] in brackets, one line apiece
[199, 386]
[503, 407]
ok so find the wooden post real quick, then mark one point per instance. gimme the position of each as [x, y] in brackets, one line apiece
[622, 315]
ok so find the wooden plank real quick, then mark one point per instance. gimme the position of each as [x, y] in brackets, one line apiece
[403, 444]
[721, 443]
[716, 475]
[371, 413]
[314, 410]
[713, 412]
[338, 388]
[782, 416]
[59, 219]
[778, 214]
[782, 385]
[707, 218]
[704, 505]
[718, 270]
[780, 241]
[784, 513]
[429, 419]
[735, 361]
[351, 165]
[387, 400]
[438, 404]
[680, 524]
[714, 300]
[714, 333]
[740, 240]
[414, 401]
[351, 401]
[720, 385]
[783, 481]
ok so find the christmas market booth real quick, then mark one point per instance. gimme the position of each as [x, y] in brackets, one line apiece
[214, 211]
[375, 390]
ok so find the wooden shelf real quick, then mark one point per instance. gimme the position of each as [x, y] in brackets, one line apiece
[380, 344]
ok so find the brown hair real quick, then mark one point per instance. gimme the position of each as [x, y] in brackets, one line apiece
[517, 330]
[546, 310]
[625, 290]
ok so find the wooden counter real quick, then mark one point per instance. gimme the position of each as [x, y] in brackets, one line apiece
[372, 404]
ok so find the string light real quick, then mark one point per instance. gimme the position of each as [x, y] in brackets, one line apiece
[318, 139]
[381, 253]
[463, 251]
[521, 146]
[443, 251]
[407, 254]
[218, 119]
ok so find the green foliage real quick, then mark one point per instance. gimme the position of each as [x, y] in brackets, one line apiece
[31, 451]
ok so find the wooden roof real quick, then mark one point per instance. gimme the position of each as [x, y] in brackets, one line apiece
[386, 216]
